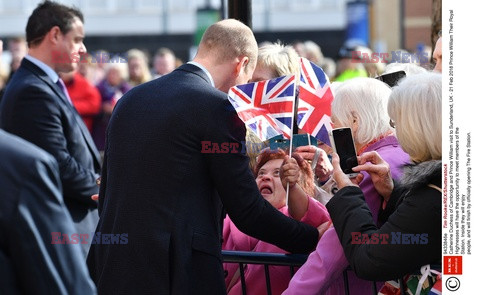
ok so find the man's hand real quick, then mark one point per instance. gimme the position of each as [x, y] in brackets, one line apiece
[98, 181]
[320, 163]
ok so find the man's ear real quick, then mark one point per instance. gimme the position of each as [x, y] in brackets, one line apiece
[54, 35]
[241, 64]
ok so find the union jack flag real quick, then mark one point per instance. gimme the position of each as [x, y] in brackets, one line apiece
[266, 107]
[314, 101]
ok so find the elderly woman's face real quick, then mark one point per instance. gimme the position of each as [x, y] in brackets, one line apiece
[269, 183]
[336, 123]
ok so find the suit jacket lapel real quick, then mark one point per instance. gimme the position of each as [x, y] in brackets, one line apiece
[86, 134]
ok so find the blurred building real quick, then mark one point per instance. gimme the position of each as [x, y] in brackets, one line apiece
[119, 25]
[402, 24]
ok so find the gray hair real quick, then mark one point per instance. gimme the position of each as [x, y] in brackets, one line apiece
[364, 100]
[415, 106]
[408, 68]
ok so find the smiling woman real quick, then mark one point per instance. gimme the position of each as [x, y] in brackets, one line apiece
[273, 172]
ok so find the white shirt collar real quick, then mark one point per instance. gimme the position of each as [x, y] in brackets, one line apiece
[204, 70]
[48, 70]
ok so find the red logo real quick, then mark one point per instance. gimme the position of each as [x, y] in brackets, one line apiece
[452, 265]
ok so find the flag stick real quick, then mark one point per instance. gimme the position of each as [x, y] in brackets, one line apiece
[291, 131]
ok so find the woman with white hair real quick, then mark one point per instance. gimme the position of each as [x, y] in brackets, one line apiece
[408, 68]
[361, 104]
[413, 205]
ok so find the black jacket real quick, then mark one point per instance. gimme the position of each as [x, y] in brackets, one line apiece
[31, 209]
[163, 187]
[413, 226]
[35, 109]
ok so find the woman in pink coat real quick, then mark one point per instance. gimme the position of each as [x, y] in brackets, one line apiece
[360, 104]
[272, 173]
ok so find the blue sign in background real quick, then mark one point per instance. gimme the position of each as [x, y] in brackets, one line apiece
[358, 21]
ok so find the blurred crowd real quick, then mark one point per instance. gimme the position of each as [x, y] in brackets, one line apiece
[103, 77]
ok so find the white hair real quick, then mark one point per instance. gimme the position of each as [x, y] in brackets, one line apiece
[415, 106]
[408, 68]
[363, 100]
[118, 65]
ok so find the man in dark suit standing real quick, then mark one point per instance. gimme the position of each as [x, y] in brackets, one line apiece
[36, 107]
[166, 191]
[31, 209]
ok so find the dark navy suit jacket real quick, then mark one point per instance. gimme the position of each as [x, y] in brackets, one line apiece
[162, 188]
[36, 109]
[31, 208]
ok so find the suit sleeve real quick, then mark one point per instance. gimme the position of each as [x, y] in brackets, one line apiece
[236, 186]
[409, 239]
[45, 267]
[37, 119]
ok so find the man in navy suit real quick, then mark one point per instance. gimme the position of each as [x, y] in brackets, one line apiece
[162, 188]
[37, 108]
[31, 209]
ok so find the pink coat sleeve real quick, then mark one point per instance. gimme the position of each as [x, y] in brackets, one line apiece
[316, 213]
[323, 269]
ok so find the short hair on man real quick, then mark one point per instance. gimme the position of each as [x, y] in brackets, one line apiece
[47, 15]
[229, 38]
[414, 106]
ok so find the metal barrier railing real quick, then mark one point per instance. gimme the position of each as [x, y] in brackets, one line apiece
[290, 260]
[267, 259]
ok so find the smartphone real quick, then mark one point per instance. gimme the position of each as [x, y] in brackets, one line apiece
[298, 140]
[392, 79]
[342, 143]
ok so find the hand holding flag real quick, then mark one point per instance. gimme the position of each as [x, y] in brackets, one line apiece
[266, 106]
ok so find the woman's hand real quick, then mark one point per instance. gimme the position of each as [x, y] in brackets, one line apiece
[379, 171]
[289, 172]
[320, 163]
[341, 178]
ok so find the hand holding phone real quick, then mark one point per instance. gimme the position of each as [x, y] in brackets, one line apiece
[342, 144]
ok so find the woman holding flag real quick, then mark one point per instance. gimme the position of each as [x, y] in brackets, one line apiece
[274, 172]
